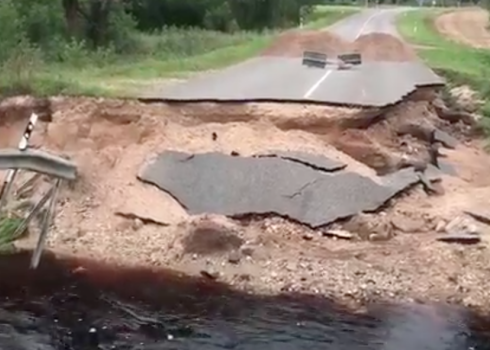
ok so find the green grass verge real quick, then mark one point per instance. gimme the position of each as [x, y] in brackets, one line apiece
[8, 226]
[173, 53]
[460, 64]
[324, 15]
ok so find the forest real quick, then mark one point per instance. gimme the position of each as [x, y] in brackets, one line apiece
[43, 38]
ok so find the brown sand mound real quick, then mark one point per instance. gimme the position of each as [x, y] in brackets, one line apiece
[383, 47]
[293, 43]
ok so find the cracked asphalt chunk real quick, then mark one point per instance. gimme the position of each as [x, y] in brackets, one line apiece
[316, 161]
[232, 186]
[446, 139]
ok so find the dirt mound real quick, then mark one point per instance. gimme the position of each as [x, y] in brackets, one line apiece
[383, 47]
[468, 26]
[293, 43]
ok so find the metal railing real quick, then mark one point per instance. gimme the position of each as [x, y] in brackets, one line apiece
[56, 168]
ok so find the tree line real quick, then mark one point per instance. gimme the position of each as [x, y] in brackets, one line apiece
[102, 22]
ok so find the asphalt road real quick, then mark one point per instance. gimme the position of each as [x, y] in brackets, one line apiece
[367, 22]
[285, 79]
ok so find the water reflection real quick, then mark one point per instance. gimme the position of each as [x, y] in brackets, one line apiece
[108, 308]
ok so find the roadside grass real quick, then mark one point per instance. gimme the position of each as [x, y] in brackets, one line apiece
[8, 226]
[326, 15]
[172, 53]
[458, 63]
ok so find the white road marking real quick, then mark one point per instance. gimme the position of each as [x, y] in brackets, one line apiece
[370, 18]
[325, 76]
[317, 84]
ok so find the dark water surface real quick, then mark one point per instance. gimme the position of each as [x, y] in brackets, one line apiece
[54, 308]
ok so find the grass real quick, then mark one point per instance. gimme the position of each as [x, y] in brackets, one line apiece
[460, 64]
[8, 226]
[172, 53]
[324, 16]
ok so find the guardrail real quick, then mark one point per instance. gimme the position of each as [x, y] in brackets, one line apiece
[56, 168]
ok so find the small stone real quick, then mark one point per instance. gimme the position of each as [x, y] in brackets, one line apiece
[440, 226]
[244, 277]
[137, 224]
[247, 251]
[209, 274]
[234, 258]
[454, 223]
[460, 238]
[343, 234]
[480, 215]
[407, 225]
[307, 236]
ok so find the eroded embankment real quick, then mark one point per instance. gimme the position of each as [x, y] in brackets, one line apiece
[109, 215]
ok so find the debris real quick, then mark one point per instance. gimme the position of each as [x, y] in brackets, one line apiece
[461, 224]
[342, 234]
[144, 220]
[247, 251]
[460, 238]
[429, 187]
[446, 139]
[208, 237]
[234, 257]
[214, 136]
[137, 224]
[212, 275]
[481, 216]
[440, 226]
[407, 224]
[307, 236]
[421, 132]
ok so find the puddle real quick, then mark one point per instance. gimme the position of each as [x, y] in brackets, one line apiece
[61, 307]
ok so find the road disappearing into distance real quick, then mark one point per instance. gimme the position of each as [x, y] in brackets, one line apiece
[374, 83]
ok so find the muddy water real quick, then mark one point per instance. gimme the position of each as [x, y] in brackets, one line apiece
[61, 306]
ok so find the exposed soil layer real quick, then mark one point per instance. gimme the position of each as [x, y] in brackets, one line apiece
[373, 47]
[294, 42]
[383, 47]
[110, 140]
[467, 26]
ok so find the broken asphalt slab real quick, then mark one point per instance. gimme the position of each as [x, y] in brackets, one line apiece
[235, 186]
[447, 168]
[446, 139]
[316, 161]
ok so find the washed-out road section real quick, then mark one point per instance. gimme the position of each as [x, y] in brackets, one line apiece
[285, 79]
[308, 188]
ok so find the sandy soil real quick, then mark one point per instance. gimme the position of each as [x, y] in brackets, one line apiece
[391, 254]
[110, 141]
[467, 26]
